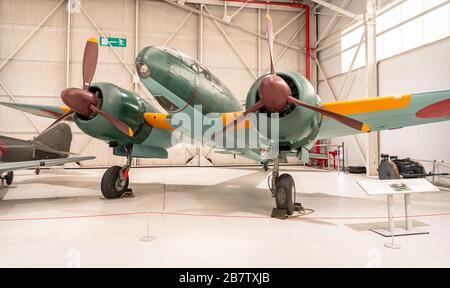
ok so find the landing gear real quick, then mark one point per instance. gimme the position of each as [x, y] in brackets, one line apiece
[283, 190]
[265, 165]
[37, 171]
[285, 194]
[115, 180]
[8, 179]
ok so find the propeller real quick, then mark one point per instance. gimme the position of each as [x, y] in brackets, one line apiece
[275, 94]
[83, 101]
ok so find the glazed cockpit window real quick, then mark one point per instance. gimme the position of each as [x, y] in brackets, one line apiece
[166, 104]
[172, 52]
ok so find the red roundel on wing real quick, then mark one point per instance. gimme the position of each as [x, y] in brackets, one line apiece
[436, 110]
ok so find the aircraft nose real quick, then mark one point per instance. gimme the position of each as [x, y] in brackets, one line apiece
[142, 69]
[142, 62]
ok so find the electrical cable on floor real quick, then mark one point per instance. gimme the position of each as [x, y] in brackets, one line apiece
[303, 212]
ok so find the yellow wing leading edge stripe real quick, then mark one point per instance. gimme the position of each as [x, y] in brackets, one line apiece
[366, 105]
[64, 109]
[159, 120]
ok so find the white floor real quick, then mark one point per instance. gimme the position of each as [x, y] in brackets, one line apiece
[207, 217]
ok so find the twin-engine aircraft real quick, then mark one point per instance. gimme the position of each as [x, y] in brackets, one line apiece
[136, 128]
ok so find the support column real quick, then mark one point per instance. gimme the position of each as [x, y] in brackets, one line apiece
[136, 42]
[313, 42]
[372, 85]
[200, 49]
[259, 43]
[200, 35]
[68, 43]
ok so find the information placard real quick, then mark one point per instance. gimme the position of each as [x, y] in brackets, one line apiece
[397, 186]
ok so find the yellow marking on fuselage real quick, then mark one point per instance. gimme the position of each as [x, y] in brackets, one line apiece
[65, 109]
[229, 117]
[130, 132]
[358, 106]
[158, 120]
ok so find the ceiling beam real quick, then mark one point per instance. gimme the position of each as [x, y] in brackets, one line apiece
[236, 4]
[339, 10]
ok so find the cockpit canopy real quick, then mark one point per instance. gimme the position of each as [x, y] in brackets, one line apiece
[195, 66]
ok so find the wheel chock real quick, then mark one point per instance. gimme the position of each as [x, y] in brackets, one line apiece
[279, 213]
[128, 194]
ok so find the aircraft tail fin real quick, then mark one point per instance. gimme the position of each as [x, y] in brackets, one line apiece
[57, 139]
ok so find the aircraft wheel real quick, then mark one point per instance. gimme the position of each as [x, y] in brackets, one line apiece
[285, 193]
[9, 178]
[37, 171]
[112, 187]
[388, 170]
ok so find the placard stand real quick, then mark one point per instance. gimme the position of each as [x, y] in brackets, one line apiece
[147, 237]
[391, 230]
[404, 187]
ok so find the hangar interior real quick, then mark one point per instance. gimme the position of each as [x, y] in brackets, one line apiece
[198, 199]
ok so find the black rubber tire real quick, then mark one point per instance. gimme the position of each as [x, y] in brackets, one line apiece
[9, 178]
[37, 171]
[285, 193]
[357, 169]
[108, 185]
[388, 170]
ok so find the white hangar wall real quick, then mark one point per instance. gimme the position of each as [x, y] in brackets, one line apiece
[37, 73]
[422, 69]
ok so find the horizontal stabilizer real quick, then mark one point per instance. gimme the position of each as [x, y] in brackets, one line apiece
[12, 166]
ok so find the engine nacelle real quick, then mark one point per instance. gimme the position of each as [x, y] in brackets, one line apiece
[122, 104]
[299, 126]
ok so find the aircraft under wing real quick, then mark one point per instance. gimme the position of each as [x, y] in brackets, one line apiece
[391, 112]
[12, 166]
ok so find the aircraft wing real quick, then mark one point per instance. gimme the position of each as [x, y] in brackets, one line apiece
[40, 110]
[391, 112]
[12, 166]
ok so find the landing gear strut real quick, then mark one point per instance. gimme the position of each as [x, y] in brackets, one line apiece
[283, 190]
[265, 165]
[115, 180]
[8, 179]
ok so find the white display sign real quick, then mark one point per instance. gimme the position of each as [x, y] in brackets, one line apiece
[397, 186]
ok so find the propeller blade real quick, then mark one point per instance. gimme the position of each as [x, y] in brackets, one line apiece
[258, 105]
[116, 122]
[60, 118]
[89, 61]
[355, 124]
[270, 38]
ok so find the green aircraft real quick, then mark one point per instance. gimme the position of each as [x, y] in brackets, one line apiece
[186, 89]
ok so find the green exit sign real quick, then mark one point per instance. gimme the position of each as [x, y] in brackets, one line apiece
[114, 42]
